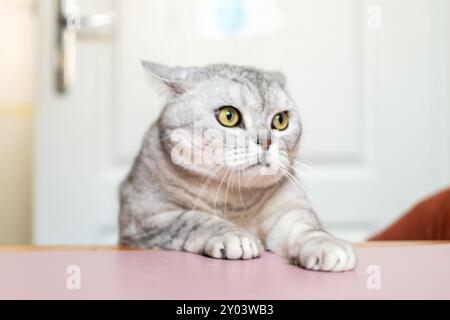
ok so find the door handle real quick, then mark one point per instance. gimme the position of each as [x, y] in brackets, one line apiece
[70, 22]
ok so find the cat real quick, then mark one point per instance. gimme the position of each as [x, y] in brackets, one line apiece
[232, 209]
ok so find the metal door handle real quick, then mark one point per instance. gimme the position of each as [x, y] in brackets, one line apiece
[70, 23]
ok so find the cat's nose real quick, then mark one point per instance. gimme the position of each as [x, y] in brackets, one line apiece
[265, 143]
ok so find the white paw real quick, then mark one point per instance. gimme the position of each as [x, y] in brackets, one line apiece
[326, 254]
[233, 245]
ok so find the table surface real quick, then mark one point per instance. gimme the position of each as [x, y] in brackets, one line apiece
[19, 248]
[386, 270]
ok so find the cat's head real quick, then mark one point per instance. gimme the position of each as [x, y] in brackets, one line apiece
[229, 123]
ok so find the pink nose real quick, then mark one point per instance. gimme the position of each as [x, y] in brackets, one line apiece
[264, 143]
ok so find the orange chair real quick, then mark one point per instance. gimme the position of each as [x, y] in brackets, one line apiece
[428, 220]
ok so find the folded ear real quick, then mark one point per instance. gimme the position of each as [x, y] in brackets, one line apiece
[279, 77]
[176, 80]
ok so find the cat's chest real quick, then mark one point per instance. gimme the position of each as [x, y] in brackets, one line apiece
[232, 204]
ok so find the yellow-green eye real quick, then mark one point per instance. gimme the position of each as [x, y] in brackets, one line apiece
[280, 121]
[228, 116]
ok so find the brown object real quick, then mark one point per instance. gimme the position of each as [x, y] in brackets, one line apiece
[428, 220]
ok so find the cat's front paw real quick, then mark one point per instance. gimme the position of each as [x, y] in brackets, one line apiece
[233, 245]
[325, 254]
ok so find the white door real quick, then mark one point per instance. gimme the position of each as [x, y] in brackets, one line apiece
[370, 79]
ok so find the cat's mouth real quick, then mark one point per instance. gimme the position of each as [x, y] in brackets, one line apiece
[262, 161]
[258, 164]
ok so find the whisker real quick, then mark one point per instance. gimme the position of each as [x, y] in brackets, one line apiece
[288, 174]
[206, 183]
[306, 175]
[294, 178]
[226, 192]
[300, 162]
[219, 188]
[288, 177]
[239, 189]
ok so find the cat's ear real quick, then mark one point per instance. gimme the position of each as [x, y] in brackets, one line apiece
[175, 80]
[279, 77]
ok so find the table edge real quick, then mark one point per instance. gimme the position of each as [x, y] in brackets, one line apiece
[21, 248]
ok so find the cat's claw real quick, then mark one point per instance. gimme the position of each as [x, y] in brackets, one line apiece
[233, 245]
[326, 254]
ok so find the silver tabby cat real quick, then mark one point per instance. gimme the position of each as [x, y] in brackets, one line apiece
[233, 209]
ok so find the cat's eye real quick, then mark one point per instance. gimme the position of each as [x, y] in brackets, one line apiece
[280, 121]
[229, 116]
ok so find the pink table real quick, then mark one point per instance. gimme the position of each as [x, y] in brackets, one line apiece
[409, 272]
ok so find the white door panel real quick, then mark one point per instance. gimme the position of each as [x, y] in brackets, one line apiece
[374, 102]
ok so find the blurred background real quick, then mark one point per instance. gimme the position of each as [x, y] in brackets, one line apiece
[371, 79]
